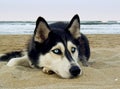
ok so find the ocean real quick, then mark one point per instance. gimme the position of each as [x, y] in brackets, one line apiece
[87, 27]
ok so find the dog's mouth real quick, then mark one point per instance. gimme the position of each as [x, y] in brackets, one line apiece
[68, 75]
[73, 72]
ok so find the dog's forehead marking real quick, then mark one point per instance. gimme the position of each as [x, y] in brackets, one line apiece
[68, 51]
[65, 49]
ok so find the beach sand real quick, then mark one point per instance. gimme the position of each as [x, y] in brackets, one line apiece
[103, 73]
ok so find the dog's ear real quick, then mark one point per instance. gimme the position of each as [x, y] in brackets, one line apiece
[41, 31]
[74, 27]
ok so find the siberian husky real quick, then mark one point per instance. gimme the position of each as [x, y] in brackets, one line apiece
[55, 47]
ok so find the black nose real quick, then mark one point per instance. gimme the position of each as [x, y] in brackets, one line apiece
[75, 71]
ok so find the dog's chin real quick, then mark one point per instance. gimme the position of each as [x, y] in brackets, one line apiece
[65, 75]
[69, 76]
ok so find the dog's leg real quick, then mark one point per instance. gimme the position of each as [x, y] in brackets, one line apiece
[19, 61]
[84, 61]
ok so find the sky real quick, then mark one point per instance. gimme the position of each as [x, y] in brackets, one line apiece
[59, 10]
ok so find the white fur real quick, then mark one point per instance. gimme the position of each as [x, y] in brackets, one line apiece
[19, 61]
[59, 63]
[51, 61]
[59, 66]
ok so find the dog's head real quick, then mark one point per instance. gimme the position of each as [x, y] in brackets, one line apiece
[57, 47]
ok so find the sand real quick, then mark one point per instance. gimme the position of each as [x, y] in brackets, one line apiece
[103, 73]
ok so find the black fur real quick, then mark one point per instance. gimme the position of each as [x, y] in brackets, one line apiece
[58, 33]
[82, 42]
[8, 56]
[60, 25]
[84, 50]
[36, 48]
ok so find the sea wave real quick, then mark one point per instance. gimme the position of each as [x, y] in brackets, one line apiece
[87, 27]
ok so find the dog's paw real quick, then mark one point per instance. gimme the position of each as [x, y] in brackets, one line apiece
[47, 71]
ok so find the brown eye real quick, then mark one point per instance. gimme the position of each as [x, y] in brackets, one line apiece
[73, 49]
[57, 51]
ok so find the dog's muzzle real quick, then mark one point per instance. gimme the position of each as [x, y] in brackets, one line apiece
[74, 71]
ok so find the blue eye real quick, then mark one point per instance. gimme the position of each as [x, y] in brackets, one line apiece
[57, 51]
[73, 49]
